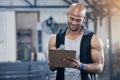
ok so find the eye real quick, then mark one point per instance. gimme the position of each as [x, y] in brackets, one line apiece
[71, 18]
[79, 20]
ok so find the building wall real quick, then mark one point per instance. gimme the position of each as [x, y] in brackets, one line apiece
[115, 28]
[8, 36]
[8, 25]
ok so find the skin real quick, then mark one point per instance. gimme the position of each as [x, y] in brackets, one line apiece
[76, 17]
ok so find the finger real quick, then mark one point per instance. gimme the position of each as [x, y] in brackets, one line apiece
[70, 59]
[77, 59]
[67, 61]
[70, 63]
[73, 60]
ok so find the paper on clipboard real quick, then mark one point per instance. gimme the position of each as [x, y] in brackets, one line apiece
[56, 57]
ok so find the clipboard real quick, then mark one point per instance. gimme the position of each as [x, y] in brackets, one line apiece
[56, 57]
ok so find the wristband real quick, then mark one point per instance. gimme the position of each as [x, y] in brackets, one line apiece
[82, 67]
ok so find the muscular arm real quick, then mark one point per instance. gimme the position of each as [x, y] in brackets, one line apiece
[52, 42]
[97, 55]
[51, 45]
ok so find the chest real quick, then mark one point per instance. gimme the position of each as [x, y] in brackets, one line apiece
[73, 45]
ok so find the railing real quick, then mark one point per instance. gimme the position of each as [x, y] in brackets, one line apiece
[24, 71]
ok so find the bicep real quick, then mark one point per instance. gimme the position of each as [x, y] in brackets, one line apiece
[51, 45]
[97, 56]
[97, 53]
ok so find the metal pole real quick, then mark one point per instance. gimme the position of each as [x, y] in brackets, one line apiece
[95, 24]
[110, 43]
[35, 2]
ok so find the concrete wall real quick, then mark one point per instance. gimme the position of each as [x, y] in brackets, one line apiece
[115, 28]
[8, 36]
[8, 27]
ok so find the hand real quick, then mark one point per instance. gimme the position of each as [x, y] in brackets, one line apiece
[52, 68]
[74, 63]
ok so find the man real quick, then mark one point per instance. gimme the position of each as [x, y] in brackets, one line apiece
[88, 46]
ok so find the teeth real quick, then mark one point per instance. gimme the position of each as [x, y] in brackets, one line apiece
[73, 26]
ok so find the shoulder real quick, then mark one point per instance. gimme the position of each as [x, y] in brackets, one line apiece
[52, 42]
[96, 42]
[53, 37]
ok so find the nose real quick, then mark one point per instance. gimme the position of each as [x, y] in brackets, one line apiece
[74, 22]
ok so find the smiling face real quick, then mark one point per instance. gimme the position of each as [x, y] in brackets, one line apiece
[76, 16]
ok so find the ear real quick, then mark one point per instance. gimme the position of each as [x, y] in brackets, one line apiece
[67, 14]
[84, 19]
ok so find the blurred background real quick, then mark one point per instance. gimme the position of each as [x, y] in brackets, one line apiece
[26, 26]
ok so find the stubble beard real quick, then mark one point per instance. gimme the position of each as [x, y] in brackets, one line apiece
[74, 30]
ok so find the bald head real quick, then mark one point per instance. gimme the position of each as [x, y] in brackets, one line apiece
[77, 9]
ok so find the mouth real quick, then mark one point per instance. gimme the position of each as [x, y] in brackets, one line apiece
[73, 26]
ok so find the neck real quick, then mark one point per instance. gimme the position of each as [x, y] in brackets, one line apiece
[78, 32]
[74, 34]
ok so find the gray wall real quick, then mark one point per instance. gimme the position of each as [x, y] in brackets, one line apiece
[8, 36]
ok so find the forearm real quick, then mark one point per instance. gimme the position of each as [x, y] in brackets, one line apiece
[93, 68]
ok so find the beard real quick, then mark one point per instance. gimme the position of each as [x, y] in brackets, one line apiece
[74, 28]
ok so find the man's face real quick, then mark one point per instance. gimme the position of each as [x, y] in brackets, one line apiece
[75, 22]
